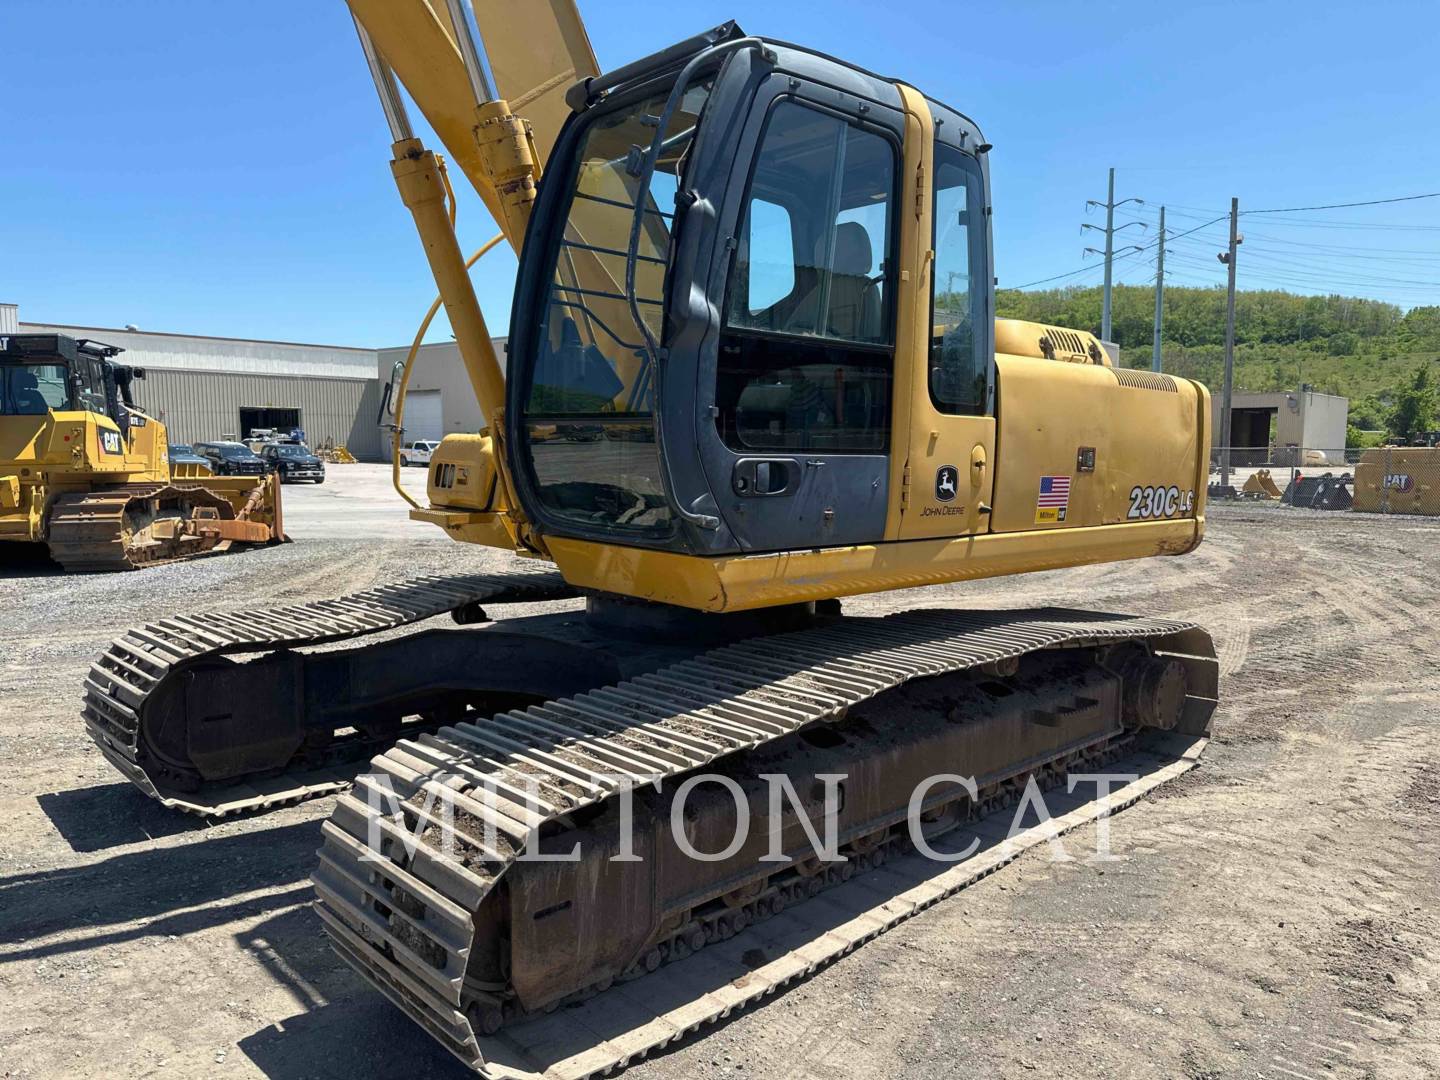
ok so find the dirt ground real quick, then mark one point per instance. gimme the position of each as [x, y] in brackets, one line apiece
[1274, 913]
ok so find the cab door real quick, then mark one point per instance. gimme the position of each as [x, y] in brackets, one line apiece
[949, 434]
[799, 446]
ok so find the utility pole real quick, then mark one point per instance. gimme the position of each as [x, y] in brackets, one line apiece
[1159, 294]
[1110, 204]
[1109, 255]
[1228, 258]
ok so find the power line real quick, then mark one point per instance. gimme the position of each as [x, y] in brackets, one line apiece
[1057, 277]
[1193, 213]
[1318, 223]
[1346, 205]
[1097, 266]
[1342, 251]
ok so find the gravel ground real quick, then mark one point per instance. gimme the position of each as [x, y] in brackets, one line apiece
[1273, 913]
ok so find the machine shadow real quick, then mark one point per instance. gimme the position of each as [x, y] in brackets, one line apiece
[27, 561]
[344, 1027]
[176, 889]
[362, 1037]
[99, 818]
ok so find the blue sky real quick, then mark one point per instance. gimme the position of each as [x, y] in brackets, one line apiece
[221, 168]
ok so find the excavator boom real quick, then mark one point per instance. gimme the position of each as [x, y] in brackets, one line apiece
[534, 57]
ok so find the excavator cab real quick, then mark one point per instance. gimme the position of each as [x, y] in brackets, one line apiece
[713, 282]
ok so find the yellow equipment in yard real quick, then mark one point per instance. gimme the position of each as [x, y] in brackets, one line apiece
[753, 369]
[1261, 483]
[87, 473]
[1398, 480]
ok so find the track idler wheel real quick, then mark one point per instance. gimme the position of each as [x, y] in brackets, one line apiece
[1154, 691]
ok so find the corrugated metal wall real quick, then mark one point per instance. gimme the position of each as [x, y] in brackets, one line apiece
[194, 353]
[200, 406]
[9, 319]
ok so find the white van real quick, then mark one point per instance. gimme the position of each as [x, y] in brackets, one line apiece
[418, 452]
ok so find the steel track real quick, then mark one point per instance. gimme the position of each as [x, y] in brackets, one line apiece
[406, 920]
[86, 532]
[139, 662]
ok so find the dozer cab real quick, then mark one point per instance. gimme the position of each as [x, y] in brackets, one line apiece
[753, 370]
[84, 471]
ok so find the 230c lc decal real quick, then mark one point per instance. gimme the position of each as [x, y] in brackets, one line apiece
[1159, 502]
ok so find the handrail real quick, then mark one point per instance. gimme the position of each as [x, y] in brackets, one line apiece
[399, 398]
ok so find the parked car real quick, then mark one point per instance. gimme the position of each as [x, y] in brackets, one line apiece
[184, 454]
[418, 452]
[232, 459]
[293, 462]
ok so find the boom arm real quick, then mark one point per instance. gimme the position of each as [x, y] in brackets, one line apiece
[534, 57]
[536, 51]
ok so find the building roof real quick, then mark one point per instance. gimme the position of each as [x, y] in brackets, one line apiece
[195, 352]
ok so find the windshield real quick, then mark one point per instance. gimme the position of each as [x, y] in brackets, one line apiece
[590, 429]
[290, 451]
[32, 389]
[236, 453]
[180, 448]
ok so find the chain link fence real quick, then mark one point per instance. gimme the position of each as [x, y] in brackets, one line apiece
[1383, 480]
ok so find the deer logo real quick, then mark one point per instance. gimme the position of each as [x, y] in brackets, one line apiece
[947, 477]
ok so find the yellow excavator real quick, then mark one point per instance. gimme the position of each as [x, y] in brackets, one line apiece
[87, 473]
[752, 369]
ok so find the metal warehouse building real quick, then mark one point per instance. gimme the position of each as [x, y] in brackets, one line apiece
[205, 388]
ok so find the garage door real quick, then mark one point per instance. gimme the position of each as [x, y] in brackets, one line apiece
[422, 415]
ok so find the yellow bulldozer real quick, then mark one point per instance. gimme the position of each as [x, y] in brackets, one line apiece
[753, 370]
[84, 471]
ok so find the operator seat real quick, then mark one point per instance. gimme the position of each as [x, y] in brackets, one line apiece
[854, 313]
[25, 395]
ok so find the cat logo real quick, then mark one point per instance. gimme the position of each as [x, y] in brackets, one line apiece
[947, 479]
[110, 442]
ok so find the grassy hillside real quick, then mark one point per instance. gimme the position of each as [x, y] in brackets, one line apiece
[1365, 350]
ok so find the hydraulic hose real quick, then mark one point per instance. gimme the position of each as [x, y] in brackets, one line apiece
[410, 361]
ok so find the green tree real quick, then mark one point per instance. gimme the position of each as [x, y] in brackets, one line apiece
[1414, 409]
[1357, 439]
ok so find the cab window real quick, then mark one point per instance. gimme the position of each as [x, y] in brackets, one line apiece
[959, 364]
[806, 360]
[91, 381]
[32, 389]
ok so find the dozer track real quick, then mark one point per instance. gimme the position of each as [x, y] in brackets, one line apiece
[165, 656]
[564, 970]
[116, 528]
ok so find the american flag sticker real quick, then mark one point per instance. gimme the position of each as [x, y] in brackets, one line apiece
[1053, 500]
